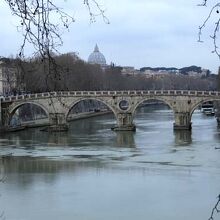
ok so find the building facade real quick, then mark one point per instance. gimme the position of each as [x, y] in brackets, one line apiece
[7, 77]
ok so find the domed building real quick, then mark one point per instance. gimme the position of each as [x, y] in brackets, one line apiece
[96, 57]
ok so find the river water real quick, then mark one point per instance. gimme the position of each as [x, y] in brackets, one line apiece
[93, 173]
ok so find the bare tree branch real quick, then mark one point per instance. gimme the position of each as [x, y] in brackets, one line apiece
[203, 3]
[37, 24]
[216, 25]
[42, 22]
[101, 11]
[215, 209]
[215, 9]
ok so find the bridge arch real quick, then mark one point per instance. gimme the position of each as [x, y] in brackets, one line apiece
[149, 99]
[15, 107]
[90, 98]
[200, 102]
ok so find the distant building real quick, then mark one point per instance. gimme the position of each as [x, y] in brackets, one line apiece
[157, 74]
[96, 57]
[192, 71]
[129, 70]
[203, 73]
[7, 76]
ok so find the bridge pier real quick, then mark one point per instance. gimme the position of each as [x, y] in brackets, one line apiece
[2, 127]
[57, 122]
[182, 121]
[0, 114]
[124, 122]
[217, 113]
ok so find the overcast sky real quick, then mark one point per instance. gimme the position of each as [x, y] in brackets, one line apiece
[141, 33]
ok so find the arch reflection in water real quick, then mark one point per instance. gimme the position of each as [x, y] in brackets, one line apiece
[92, 125]
[58, 138]
[26, 168]
[183, 137]
[217, 135]
[2, 171]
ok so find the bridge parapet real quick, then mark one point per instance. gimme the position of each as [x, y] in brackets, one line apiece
[111, 93]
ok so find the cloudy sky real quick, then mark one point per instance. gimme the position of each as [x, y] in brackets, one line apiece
[141, 33]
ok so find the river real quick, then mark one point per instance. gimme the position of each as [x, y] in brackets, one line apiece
[93, 173]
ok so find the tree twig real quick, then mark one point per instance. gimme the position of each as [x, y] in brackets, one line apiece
[214, 9]
[215, 209]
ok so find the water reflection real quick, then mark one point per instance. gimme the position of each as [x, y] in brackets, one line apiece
[58, 138]
[43, 165]
[90, 166]
[83, 133]
[31, 137]
[125, 139]
[217, 134]
[183, 137]
[91, 125]
[2, 170]
[23, 170]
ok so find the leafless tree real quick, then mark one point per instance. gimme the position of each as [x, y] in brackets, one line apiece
[42, 23]
[214, 13]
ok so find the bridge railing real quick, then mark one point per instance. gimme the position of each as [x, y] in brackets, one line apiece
[110, 93]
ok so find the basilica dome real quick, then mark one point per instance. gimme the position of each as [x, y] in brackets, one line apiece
[97, 57]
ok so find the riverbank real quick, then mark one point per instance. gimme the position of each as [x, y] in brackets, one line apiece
[84, 115]
[45, 121]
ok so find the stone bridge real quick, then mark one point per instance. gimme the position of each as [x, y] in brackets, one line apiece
[123, 104]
